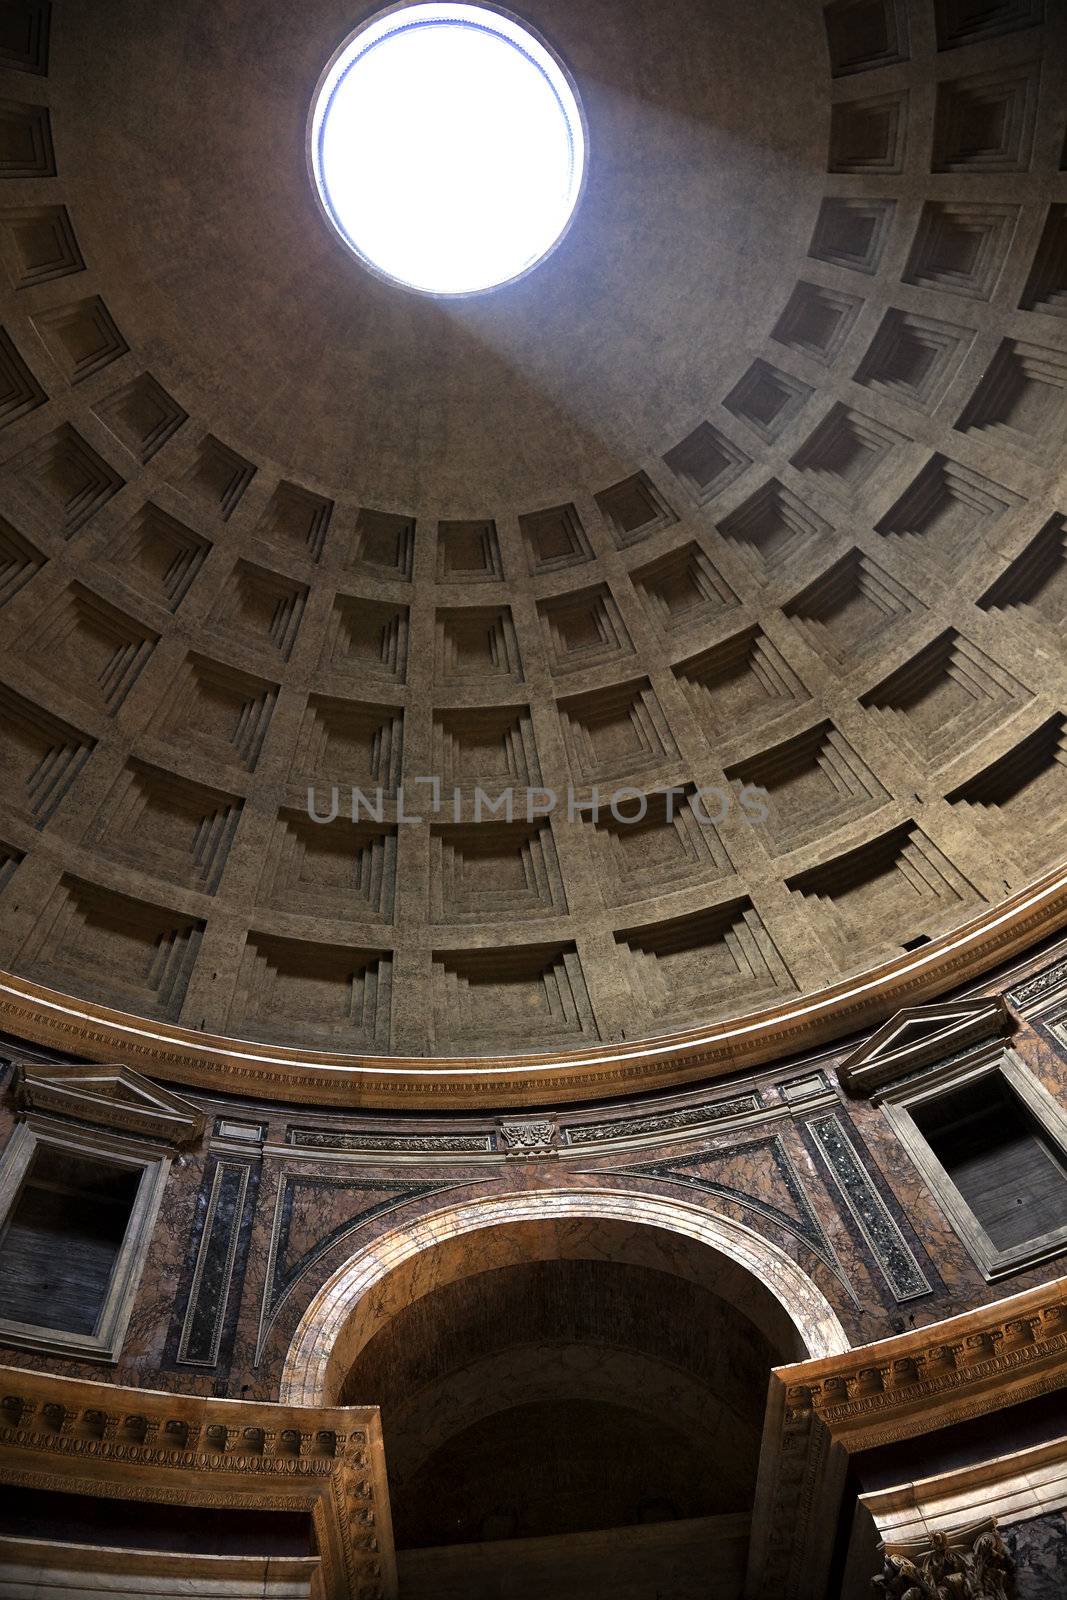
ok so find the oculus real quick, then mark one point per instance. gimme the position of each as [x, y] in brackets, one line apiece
[447, 147]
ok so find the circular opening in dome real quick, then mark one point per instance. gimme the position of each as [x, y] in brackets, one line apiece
[448, 147]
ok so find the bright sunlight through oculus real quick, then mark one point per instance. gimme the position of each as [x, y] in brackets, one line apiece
[447, 147]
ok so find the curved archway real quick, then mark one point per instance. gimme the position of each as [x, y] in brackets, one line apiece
[405, 1263]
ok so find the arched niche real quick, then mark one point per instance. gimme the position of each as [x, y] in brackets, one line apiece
[671, 1235]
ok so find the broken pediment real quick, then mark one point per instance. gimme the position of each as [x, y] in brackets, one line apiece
[108, 1096]
[921, 1035]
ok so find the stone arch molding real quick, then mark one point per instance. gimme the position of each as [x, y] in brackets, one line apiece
[329, 1336]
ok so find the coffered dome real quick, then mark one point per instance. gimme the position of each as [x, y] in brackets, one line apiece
[723, 552]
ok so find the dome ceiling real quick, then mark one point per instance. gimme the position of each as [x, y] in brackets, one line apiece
[751, 487]
[226, 277]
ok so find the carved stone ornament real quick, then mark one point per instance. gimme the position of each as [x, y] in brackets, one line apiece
[114, 1097]
[920, 1035]
[678, 1121]
[528, 1138]
[393, 1143]
[1046, 985]
[822, 1412]
[951, 1571]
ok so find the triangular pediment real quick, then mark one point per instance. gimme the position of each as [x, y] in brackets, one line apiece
[108, 1096]
[921, 1035]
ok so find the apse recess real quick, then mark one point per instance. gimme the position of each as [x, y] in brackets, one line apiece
[751, 484]
[595, 1362]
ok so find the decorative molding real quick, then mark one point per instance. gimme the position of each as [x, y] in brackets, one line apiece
[315, 1364]
[895, 1258]
[391, 1143]
[33, 1562]
[1042, 988]
[69, 1436]
[112, 1096]
[511, 1136]
[209, 1295]
[805, 1090]
[1016, 1487]
[236, 1131]
[919, 1035]
[687, 1119]
[819, 1413]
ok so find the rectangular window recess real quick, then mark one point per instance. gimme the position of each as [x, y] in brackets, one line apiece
[990, 1142]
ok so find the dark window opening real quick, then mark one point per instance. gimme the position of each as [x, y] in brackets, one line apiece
[135, 1525]
[1003, 1162]
[62, 1239]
